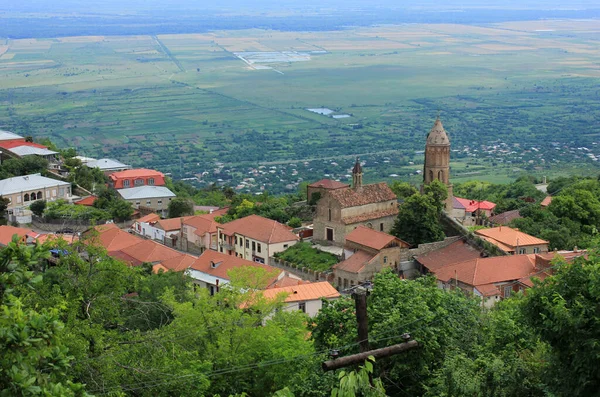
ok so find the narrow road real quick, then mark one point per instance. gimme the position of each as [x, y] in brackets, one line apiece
[168, 53]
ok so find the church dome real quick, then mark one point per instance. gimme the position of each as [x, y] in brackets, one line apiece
[437, 135]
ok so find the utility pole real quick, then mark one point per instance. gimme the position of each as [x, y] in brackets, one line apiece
[360, 301]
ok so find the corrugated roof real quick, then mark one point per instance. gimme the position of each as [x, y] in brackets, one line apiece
[30, 151]
[145, 192]
[329, 184]
[509, 237]
[505, 218]
[106, 164]
[458, 251]
[356, 262]
[28, 182]
[260, 229]
[372, 238]
[218, 265]
[7, 232]
[304, 292]
[367, 216]
[7, 135]
[367, 194]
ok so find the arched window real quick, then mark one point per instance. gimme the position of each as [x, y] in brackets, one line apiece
[430, 176]
[26, 197]
[39, 195]
[370, 225]
[441, 176]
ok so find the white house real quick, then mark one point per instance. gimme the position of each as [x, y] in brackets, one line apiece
[308, 298]
[21, 191]
[156, 198]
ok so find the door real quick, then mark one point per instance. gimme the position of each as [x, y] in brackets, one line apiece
[329, 233]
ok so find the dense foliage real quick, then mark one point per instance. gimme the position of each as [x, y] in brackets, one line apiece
[303, 254]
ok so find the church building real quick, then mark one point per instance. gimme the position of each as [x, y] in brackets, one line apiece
[437, 160]
[341, 210]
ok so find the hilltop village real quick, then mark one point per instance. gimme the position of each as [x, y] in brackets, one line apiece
[350, 232]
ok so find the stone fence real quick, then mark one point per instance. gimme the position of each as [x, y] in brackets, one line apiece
[303, 272]
[54, 225]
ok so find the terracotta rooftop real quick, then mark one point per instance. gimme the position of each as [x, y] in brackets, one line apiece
[546, 201]
[150, 251]
[149, 218]
[356, 262]
[172, 223]
[203, 224]
[349, 220]
[68, 238]
[13, 144]
[329, 184]
[287, 281]
[114, 239]
[472, 205]
[304, 292]
[458, 251]
[178, 263]
[135, 173]
[218, 265]
[260, 229]
[505, 217]
[7, 232]
[367, 194]
[373, 239]
[508, 237]
[87, 201]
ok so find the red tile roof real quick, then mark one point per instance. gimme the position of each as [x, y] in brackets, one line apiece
[150, 251]
[546, 201]
[202, 223]
[287, 281]
[136, 173]
[304, 292]
[7, 232]
[218, 265]
[373, 239]
[473, 205]
[87, 201]
[260, 229]
[349, 220]
[458, 251]
[329, 184]
[356, 262]
[114, 239]
[15, 143]
[172, 223]
[178, 263]
[504, 237]
[149, 218]
[367, 194]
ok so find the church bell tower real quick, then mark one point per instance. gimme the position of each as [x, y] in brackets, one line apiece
[357, 174]
[437, 159]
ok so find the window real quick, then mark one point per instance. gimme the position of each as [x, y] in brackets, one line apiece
[329, 215]
[138, 182]
[370, 225]
[148, 202]
[302, 307]
[241, 242]
[285, 245]
[18, 199]
[507, 291]
[39, 195]
[26, 197]
[247, 243]
[381, 227]
[536, 250]
[253, 246]
[61, 191]
[126, 183]
[235, 240]
[159, 202]
[212, 290]
[258, 247]
[522, 250]
[385, 259]
[150, 181]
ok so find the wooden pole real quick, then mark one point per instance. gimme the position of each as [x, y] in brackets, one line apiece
[361, 357]
[360, 300]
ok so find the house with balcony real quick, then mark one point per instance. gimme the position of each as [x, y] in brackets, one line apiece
[136, 178]
[254, 238]
[21, 191]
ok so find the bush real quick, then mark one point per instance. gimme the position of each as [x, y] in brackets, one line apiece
[305, 255]
[295, 222]
[38, 207]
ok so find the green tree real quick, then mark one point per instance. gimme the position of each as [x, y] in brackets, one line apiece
[25, 166]
[38, 207]
[121, 210]
[359, 383]
[438, 192]
[180, 207]
[418, 220]
[3, 204]
[403, 190]
[295, 222]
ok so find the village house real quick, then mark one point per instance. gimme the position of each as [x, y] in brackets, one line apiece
[149, 198]
[458, 251]
[496, 278]
[199, 233]
[321, 187]
[504, 218]
[7, 232]
[254, 238]
[366, 253]
[21, 191]
[136, 178]
[107, 166]
[471, 212]
[308, 298]
[341, 210]
[513, 241]
[16, 146]
[144, 226]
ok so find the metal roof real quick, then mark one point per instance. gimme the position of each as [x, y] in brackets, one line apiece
[145, 192]
[28, 182]
[6, 135]
[30, 150]
[107, 164]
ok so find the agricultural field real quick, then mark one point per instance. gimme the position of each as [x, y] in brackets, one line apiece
[226, 106]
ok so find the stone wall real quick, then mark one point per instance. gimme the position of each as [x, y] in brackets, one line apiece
[302, 272]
